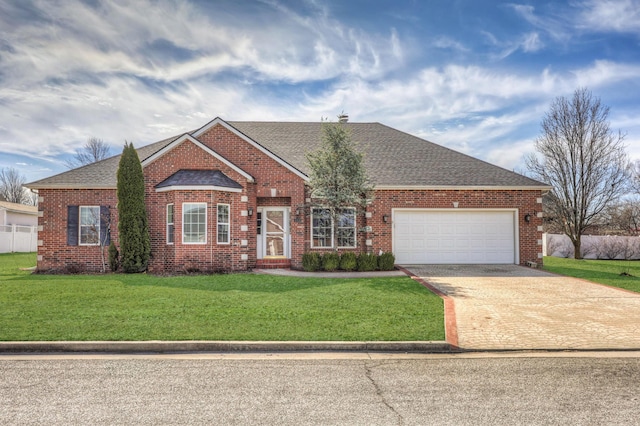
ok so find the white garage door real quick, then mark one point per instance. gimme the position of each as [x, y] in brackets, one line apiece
[445, 236]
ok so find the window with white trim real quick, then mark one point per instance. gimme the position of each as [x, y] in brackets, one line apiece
[346, 228]
[224, 236]
[89, 225]
[321, 228]
[170, 227]
[325, 235]
[194, 223]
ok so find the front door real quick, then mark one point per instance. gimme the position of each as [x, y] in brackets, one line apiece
[275, 229]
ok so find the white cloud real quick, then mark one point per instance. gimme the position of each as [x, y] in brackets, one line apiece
[444, 42]
[621, 16]
[555, 26]
[603, 73]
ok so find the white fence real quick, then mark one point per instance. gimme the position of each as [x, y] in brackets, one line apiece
[17, 238]
[593, 246]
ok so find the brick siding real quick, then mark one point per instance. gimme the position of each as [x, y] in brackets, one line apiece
[275, 185]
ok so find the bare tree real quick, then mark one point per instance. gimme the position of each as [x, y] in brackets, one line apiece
[623, 218]
[93, 150]
[582, 159]
[12, 186]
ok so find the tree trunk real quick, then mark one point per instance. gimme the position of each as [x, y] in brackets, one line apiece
[577, 253]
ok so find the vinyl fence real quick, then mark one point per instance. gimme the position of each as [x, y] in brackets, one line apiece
[593, 246]
[18, 238]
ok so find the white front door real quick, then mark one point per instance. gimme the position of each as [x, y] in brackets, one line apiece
[274, 233]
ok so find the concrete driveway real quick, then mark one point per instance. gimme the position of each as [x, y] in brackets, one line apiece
[514, 307]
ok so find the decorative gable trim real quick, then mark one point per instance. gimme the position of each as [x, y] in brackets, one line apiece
[218, 121]
[197, 188]
[188, 137]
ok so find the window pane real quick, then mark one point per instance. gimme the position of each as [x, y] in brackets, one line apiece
[194, 223]
[89, 225]
[346, 229]
[170, 228]
[321, 228]
[223, 224]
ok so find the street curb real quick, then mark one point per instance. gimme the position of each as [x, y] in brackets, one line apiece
[156, 346]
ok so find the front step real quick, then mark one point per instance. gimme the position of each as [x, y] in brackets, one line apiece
[273, 264]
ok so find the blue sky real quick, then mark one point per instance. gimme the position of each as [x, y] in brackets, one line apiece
[476, 76]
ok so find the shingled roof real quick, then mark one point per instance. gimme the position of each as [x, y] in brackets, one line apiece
[393, 159]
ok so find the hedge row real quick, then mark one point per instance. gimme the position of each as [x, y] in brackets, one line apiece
[348, 261]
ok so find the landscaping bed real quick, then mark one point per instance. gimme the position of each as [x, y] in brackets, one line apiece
[212, 307]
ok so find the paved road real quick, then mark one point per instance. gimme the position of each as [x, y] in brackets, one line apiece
[442, 390]
[514, 307]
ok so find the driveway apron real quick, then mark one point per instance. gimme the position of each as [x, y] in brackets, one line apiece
[514, 307]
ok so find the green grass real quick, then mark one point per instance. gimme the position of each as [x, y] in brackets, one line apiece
[213, 307]
[609, 272]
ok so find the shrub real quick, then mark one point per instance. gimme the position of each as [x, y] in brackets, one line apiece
[367, 262]
[311, 262]
[386, 262]
[133, 226]
[330, 261]
[114, 257]
[348, 261]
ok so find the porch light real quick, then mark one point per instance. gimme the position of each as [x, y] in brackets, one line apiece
[299, 211]
[250, 211]
[385, 218]
[527, 217]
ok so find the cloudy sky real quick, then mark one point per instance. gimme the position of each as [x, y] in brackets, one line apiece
[473, 75]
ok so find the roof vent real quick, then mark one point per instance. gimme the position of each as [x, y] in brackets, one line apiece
[343, 118]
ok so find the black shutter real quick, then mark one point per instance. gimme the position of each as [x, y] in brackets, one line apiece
[72, 225]
[105, 229]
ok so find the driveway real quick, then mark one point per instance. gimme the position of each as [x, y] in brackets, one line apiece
[514, 307]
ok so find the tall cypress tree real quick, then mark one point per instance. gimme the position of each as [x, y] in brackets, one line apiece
[133, 226]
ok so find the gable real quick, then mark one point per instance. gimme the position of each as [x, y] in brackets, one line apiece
[188, 138]
[251, 142]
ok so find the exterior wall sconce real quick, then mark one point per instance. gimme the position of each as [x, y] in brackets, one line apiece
[527, 217]
[385, 218]
[250, 211]
[299, 211]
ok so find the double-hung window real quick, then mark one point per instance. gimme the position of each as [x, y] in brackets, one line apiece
[194, 223]
[346, 228]
[326, 234]
[170, 227]
[321, 228]
[89, 225]
[224, 236]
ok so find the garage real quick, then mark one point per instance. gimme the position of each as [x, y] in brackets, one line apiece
[454, 236]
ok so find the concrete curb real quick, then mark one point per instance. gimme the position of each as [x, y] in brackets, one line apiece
[156, 346]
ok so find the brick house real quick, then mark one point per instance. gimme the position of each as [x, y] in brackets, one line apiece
[233, 196]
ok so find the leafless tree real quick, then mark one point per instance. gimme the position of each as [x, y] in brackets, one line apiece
[93, 150]
[610, 247]
[582, 159]
[12, 186]
[630, 250]
[623, 218]
[97, 235]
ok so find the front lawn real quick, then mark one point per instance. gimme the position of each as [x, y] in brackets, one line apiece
[617, 273]
[211, 307]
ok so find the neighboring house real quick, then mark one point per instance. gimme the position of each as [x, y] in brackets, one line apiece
[234, 196]
[18, 224]
[18, 214]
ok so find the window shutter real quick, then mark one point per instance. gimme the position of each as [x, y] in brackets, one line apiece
[72, 225]
[105, 231]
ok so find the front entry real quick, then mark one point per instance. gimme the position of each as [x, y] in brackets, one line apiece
[273, 233]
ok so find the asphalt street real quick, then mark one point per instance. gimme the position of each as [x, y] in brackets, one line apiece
[320, 390]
